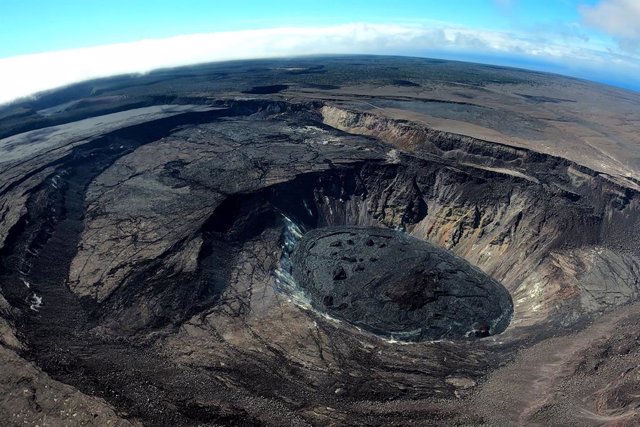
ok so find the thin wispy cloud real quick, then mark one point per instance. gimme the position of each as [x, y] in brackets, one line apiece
[25, 75]
[504, 4]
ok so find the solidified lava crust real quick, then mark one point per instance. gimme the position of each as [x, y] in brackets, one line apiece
[398, 286]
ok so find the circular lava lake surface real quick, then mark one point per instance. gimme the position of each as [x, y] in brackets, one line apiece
[394, 285]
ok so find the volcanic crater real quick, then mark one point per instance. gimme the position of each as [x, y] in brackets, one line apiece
[241, 244]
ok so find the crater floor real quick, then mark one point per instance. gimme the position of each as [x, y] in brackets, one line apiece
[321, 241]
[398, 286]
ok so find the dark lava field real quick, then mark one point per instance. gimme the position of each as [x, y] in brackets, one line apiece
[349, 240]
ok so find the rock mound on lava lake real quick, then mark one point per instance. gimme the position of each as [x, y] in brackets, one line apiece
[395, 285]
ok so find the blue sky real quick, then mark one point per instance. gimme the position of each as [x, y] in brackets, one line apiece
[596, 39]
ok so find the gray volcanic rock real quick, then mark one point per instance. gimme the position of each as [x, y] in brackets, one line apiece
[396, 285]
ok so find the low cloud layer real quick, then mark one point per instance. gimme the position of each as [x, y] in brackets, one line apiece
[25, 75]
[619, 18]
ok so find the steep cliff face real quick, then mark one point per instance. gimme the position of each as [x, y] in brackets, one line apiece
[559, 236]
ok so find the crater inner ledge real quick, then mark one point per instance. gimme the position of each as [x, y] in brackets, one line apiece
[397, 286]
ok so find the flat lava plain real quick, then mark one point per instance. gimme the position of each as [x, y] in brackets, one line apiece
[352, 273]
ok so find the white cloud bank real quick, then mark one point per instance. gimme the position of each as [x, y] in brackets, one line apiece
[25, 75]
[619, 18]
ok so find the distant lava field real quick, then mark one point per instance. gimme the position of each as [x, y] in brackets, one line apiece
[321, 241]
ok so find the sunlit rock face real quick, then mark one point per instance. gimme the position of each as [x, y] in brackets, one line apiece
[398, 286]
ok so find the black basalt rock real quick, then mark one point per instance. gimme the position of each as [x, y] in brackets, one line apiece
[405, 288]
